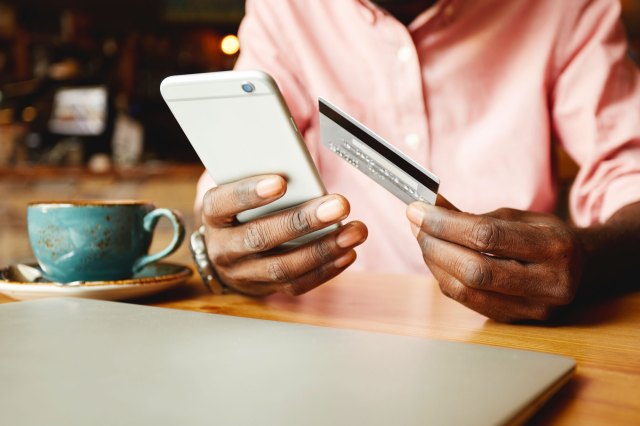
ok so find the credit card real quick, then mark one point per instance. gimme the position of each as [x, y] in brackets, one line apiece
[375, 157]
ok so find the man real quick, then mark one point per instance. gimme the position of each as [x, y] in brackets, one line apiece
[475, 91]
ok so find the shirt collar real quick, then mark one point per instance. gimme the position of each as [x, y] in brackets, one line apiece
[372, 12]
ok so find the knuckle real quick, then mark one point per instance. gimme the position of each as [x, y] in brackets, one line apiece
[292, 289]
[217, 258]
[475, 273]
[461, 294]
[564, 245]
[211, 205]
[562, 291]
[507, 213]
[307, 282]
[485, 234]
[425, 246]
[555, 247]
[244, 192]
[452, 291]
[255, 238]
[322, 251]
[216, 253]
[277, 272]
[561, 242]
[435, 223]
[542, 313]
[227, 275]
[297, 221]
[445, 289]
[320, 274]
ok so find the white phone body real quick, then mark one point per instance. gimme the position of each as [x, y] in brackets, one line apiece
[238, 134]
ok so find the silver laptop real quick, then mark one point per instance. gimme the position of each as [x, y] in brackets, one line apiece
[88, 362]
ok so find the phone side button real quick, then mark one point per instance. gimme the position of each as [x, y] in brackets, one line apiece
[293, 123]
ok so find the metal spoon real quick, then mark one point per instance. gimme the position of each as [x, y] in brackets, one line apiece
[26, 273]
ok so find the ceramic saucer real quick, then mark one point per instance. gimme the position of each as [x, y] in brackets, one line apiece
[152, 279]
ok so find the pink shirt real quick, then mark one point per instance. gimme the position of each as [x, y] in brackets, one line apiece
[474, 90]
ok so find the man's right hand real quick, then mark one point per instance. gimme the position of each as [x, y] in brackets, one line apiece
[243, 253]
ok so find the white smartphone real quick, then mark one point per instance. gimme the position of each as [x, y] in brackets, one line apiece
[240, 126]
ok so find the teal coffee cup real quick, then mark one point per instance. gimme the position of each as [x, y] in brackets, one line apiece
[97, 240]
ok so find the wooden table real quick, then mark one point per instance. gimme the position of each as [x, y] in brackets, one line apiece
[604, 338]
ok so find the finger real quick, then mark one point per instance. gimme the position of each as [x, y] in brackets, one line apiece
[271, 231]
[222, 203]
[496, 306]
[318, 276]
[487, 273]
[288, 266]
[516, 215]
[486, 234]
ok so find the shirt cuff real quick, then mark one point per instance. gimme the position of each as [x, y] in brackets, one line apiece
[621, 192]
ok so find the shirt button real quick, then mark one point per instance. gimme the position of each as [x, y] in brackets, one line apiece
[404, 53]
[412, 140]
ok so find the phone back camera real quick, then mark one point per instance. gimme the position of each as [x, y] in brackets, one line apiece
[248, 87]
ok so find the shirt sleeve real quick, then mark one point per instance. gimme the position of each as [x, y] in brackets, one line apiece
[263, 39]
[596, 112]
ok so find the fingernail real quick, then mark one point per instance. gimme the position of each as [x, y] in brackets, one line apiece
[269, 187]
[415, 215]
[344, 260]
[349, 237]
[415, 230]
[330, 210]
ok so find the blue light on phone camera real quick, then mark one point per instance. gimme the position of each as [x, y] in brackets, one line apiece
[248, 87]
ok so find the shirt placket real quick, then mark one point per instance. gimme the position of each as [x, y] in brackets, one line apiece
[415, 119]
[406, 94]
[411, 90]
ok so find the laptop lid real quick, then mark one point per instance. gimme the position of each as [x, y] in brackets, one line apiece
[80, 361]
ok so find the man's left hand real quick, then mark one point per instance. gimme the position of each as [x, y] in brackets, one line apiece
[508, 264]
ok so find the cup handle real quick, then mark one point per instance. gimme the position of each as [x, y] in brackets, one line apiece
[150, 222]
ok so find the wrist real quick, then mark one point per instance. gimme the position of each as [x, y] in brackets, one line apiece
[608, 253]
[590, 242]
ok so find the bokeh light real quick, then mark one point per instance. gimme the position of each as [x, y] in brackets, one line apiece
[230, 45]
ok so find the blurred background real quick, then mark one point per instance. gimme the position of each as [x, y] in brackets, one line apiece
[80, 110]
[81, 115]
[71, 70]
